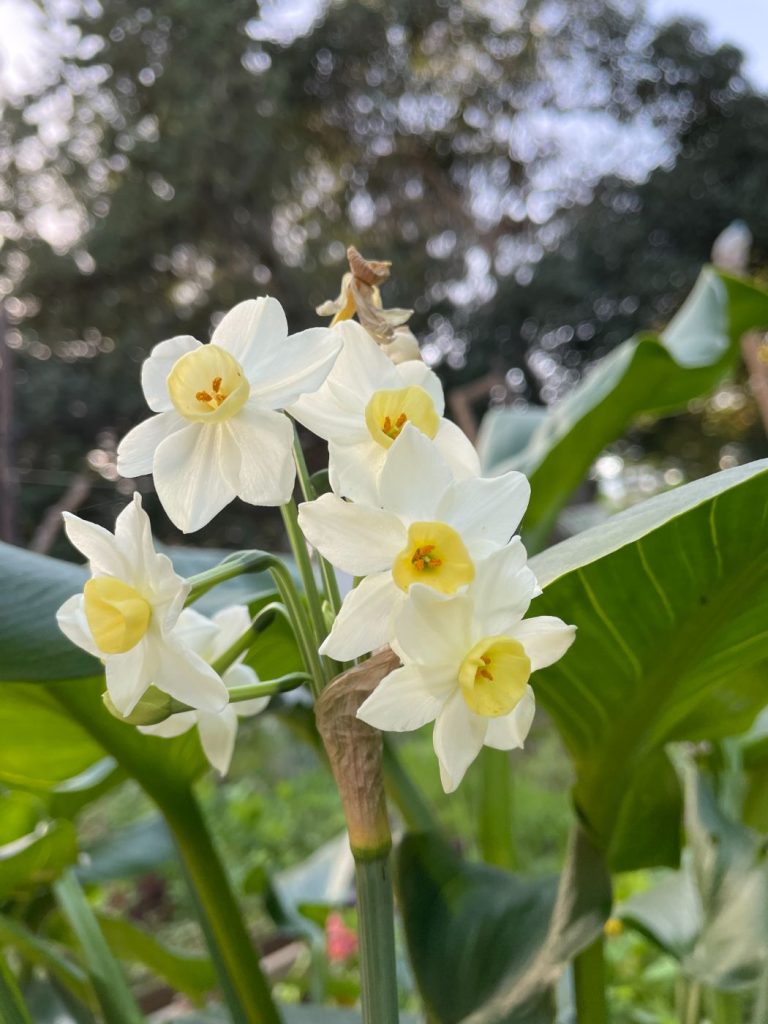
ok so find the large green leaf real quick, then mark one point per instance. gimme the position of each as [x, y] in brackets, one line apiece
[488, 946]
[648, 374]
[134, 850]
[671, 603]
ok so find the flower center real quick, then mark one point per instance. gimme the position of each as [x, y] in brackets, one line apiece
[387, 412]
[208, 384]
[434, 554]
[117, 614]
[493, 676]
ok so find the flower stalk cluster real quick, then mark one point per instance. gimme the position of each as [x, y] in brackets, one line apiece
[441, 581]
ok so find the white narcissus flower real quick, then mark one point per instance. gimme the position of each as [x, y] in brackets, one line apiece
[427, 529]
[218, 433]
[467, 660]
[363, 406]
[210, 638]
[127, 611]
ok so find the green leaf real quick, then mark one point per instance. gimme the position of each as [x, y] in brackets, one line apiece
[12, 1008]
[33, 849]
[713, 914]
[671, 603]
[109, 983]
[192, 975]
[42, 745]
[649, 374]
[487, 946]
[43, 953]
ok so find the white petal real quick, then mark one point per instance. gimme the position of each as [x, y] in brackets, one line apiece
[432, 629]
[355, 538]
[305, 361]
[408, 698]
[264, 440]
[364, 622]
[74, 625]
[457, 450]
[254, 332]
[457, 740]
[218, 733]
[414, 477]
[97, 544]
[197, 632]
[194, 470]
[509, 731]
[545, 639]
[175, 725]
[503, 589]
[354, 470]
[182, 674]
[128, 676]
[337, 411]
[155, 370]
[486, 508]
[137, 449]
[415, 372]
[230, 625]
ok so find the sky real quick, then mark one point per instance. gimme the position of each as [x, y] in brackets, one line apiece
[23, 48]
[743, 22]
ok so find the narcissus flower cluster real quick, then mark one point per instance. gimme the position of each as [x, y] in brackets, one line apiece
[440, 574]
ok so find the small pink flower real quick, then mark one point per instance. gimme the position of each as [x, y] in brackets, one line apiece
[340, 941]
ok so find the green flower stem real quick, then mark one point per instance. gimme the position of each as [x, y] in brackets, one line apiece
[589, 983]
[376, 932]
[693, 1004]
[760, 1010]
[330, 583]
[245, 985]
[301, 554]
[291, 681]
[262, 620]
[405, 793]
[237, 564]
[301, 626]
[496, 819]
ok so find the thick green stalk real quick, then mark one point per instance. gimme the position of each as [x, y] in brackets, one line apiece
[376, 931]
[222, 919]
[248, 997]
[589, 984]
[496, 834]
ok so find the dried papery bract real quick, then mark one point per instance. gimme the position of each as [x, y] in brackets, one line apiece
[360, 295]
[355, 753]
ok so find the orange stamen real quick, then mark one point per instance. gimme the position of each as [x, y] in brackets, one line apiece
[203, 396]
[216, 383]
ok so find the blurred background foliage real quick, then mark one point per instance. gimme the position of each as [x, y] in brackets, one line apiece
[547, 177]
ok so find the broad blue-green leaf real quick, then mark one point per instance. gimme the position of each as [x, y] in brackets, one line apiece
[649, 374]
[713, 914]
[487, 946]
[134, 850]
[671, 603]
